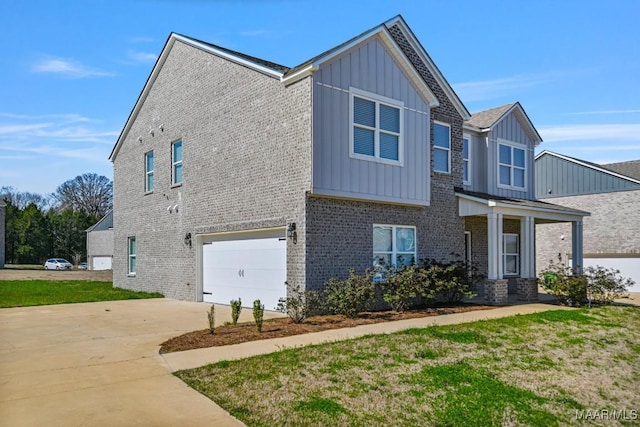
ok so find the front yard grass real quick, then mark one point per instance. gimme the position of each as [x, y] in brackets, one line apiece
[541, 369]
[22, 293]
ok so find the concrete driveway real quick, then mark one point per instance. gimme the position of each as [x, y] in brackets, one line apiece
[97, 364]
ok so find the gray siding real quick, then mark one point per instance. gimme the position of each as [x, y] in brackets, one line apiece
[558, 177]
[99, 244]
[510, 129]
[371, 68]
[478, 160]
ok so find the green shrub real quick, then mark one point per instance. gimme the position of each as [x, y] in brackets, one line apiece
[402, 287]
[211, 314]
[597, 284]
[236, 308]
[606, 284]
[451, 281]
[350, 296]
[298, 304]
[258, 314]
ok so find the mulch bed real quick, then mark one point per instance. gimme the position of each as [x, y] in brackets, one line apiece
[284, 327]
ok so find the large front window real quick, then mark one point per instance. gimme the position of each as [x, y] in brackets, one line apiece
[511, 166]
[176, 163]
[441, 147]
[132, 255]
[376, 127]
[393, 245]
[511, 251]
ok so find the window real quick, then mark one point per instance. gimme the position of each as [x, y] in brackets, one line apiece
[511, 251]
[466, 156]
[176, 163]
[441, 147]
[511, 167]
[148, 169]
[393, 245]
[376, 127]
[132, 255]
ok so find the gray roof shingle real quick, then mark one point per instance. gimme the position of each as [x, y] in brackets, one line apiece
[487, 118]
[630, 168]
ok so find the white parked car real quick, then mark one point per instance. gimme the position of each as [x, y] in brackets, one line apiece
[57, 264]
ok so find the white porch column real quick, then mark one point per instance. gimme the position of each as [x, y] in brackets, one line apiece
[500, 248]
[494, 246]
[576, 247]
[527, 247]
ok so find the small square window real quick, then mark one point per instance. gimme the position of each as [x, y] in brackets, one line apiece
[511, 167]
[392, 246]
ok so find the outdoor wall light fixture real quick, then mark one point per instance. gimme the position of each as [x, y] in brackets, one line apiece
[187, 239]
[291, 229]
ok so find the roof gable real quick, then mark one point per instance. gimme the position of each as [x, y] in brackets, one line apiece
[606, 169]
[105, 223]
[486, 120]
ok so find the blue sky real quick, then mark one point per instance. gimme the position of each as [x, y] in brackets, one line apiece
[72, 70]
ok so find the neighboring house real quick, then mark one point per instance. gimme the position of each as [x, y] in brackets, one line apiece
[2, 231]
[100, 243]
[611, 193]
[233, 174]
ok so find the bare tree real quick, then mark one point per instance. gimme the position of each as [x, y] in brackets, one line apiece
[90, 192]
[22, 199]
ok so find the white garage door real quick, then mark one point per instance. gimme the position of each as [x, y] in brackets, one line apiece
[248, 266]
[629, 267]
[101, 263]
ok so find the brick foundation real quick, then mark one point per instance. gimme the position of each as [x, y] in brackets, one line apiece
[496, 292]
[527, 290]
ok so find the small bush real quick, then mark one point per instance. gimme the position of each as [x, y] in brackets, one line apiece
[598, 284]
[298, 304]
[350, 296]
[211, 314]
[451, 281]
[402, 287]
[258, 314]
[236, 308]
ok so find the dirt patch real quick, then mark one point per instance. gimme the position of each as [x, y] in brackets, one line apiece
[93, 275]
[284, 327]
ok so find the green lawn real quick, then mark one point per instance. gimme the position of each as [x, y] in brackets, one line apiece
[542, 370]
[22, 293]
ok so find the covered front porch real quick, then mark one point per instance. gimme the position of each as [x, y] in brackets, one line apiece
[500, 241]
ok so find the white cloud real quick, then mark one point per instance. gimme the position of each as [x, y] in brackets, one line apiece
[491, 89]
[605, 132]
[68, 68]
[142, 57]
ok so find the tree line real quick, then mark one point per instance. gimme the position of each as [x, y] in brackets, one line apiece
[39, 227]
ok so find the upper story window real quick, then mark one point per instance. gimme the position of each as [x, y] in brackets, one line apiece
[441, 147]
[376, 127]
[148, 170]
[393, 245]
[176, 163]
[511, 166]
[132, 249]
[466, 159]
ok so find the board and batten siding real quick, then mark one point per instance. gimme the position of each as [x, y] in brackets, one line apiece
[510, 129]
[368, 67]
[478, 161]
[558, 177]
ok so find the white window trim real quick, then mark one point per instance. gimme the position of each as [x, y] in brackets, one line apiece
[505, 254]
[468, 160]
[378, 99]
[448, 150]
[130, 255]
[511, 145]
[174, 163]
[394, 252]
[148, 172]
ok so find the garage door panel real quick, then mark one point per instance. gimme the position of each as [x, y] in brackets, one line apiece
[246, 268]
[629, 267]
[101, 263]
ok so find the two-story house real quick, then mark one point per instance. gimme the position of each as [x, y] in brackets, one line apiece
[234, 175]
